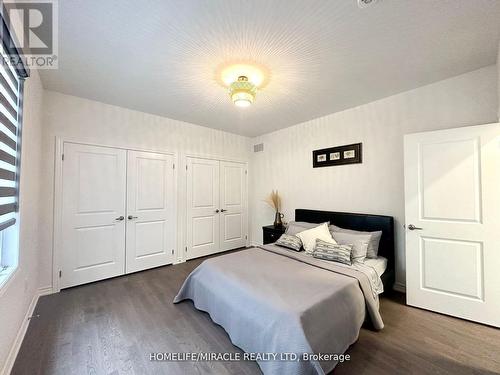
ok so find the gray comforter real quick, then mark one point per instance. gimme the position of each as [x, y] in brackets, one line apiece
[273, 300]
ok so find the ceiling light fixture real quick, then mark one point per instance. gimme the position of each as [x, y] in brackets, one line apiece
[242, 92]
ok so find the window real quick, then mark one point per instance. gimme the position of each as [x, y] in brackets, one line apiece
[11, 94]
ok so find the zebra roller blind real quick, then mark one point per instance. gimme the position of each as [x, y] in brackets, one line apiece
[11, 87]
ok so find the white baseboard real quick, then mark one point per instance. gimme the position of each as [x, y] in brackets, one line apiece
[399, 287]
[46, 290]
[14, 350]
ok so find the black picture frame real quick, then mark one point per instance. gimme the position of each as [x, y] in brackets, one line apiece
[339, 155]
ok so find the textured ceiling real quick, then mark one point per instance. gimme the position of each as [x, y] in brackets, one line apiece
[323, 56]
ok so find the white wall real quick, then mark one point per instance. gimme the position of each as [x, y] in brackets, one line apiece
[376, 185]
[21, 289]
[83, 120]
[498, 81]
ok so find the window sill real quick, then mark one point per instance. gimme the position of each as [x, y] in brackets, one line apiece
[6, 276]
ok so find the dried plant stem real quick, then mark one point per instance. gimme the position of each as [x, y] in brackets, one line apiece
[274, 200]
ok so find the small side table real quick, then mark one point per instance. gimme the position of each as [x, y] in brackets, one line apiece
[271, 234]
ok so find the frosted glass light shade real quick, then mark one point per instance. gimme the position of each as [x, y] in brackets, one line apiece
[242, 99]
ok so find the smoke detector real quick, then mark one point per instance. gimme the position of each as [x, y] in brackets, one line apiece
[366, 3]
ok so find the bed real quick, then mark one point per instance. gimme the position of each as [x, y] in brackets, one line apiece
[361, 222]
[288, 307]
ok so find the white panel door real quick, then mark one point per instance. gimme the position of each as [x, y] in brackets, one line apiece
[452, 194]
[233, 213]
[93, 210]
[151, 214]
[202, 234]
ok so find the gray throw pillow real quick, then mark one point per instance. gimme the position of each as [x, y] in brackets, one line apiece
[359, 243]
[290, 242]
[373, 243]
[295, 227]
[334, 252]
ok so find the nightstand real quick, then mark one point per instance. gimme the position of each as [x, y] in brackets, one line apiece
[271, 234]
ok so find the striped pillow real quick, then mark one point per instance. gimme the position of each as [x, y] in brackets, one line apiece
[290, 242]
[332, 251]
[359, 243]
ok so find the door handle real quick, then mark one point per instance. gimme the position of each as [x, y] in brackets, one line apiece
[223, 210]
[120, 218]
[130, 217]
[413, 227]
[217, 211]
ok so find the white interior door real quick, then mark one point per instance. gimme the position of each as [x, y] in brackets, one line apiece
[202, 232]
[452, 194]
[93, 210]
[233, 215]
[151, 214]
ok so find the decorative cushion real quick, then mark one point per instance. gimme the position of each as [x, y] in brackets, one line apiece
[290, 242]
[295, 227]
[310, 236]
[334, 252]
[359, 243]
[373, 243]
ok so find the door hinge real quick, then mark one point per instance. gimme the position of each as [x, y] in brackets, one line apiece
[186, 249]
[173, 166]
[246, 172]
[172, 251]
[62, 157]
[186, 167]
[60, 273]
[246, 237]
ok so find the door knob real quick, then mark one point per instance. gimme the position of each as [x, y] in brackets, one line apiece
[413, 227]
[223, 210]
[120, 218]
[217, 211]
[130, 217]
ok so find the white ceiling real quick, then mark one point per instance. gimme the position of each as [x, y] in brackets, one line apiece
[160, 56]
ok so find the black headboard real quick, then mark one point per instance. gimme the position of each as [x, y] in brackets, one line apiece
[361, 222]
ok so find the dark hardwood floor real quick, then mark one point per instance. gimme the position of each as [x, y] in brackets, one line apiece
[111, 327]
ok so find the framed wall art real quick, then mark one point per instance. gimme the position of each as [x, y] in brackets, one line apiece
[339, 155]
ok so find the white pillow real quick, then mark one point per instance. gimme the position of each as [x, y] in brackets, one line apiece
[310, 236]
[295, 227]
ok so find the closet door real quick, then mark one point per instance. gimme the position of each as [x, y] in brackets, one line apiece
[151, 214]
[233, 195]
[93, 210]
[202, 234]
